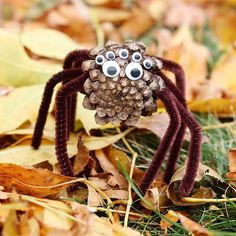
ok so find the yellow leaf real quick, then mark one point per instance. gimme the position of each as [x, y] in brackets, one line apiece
[48, 43]
[10, 225]
[19, 106]
[165, 221]
[96, 143]
[224, 73]
[26, 155]
[53, 220]
[16, 68]
[221, 106]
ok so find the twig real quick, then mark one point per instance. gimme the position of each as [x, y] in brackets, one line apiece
[130, 201]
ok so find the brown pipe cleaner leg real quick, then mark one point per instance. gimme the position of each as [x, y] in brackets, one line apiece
[175, 121]
[61, 123]
[77, 56]
[178, 71]
[178, 142]
[194, 150]
[73, 59]
[46, 100]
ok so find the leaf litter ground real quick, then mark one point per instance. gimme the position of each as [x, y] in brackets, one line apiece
[210, 89]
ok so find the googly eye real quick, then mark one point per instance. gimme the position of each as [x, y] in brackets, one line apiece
[111, 69]
[110, 55]
[147, 63]
[123, 53]
[134, 71]
[100, 59]
[137, 57]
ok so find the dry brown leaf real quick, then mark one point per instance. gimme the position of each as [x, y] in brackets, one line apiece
[138, 17]
[202, 192]
[96, 226]
[193, 227]
[180, 12]
[232, 159]
[36, 182]
[156, 197]
[158, 124]
[82, 157]
[116, 179]
[114, 156]
[185, 51]
[117, 194]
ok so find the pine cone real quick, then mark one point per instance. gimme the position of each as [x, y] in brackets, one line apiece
[120, 99]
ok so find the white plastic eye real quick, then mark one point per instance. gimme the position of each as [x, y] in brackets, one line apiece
[134, 71]
[100, 59]
[137, 57]
[123, 53]
[111, 69]
[110, 55]
[147, 63]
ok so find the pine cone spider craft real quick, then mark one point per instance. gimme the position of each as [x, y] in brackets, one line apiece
[122, 82]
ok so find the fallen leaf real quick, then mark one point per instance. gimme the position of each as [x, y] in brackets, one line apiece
[26, 155]
[190, 14]
[220, 106]
[96, 143]
[223, 73]
[53, 220]
[114, 156]
[81, 158]
[16, 68]
[193, 227]
[156, 198]
[36, 182]
[117, 178]
[202, 192]
[184, 50]
[48, 43]
[138, 17]
[232, 160]
[158, 124]
[9, 225]
[165, 221]
[19, 106]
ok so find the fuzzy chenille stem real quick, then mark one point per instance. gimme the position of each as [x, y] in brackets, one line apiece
[195, 145]
[46, 100]
[178, 90]
[73, 59]
[175, 121]
[178, 142]
[178, 71]
[76, 56]
[61, 122]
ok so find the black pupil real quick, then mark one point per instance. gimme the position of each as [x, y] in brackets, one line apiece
[135, 73]
[148, 64]
[99, 59]
[124, 54]
[111, 70]
[110, 56]
[137, 57]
